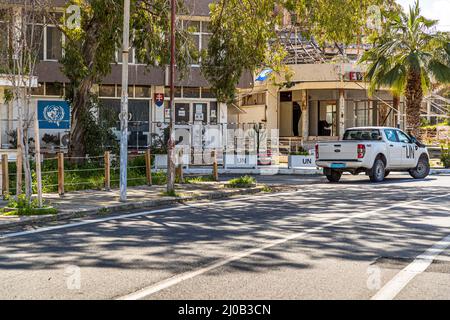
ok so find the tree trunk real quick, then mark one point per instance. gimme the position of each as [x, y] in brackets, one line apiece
[77, 146]
[414, 97]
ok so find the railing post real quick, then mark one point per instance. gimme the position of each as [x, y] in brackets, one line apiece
[5, 175]
[148, 166]
[107, 171]
[61, 173]
[215, 168]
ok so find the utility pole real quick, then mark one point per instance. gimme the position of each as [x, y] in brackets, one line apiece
[171, 142]
[124, 102]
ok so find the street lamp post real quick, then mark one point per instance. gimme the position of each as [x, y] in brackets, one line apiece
[124, 102]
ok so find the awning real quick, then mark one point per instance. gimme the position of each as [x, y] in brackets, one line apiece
[331, 85]
[239, 110]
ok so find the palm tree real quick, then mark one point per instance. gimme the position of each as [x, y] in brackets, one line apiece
[406, 58]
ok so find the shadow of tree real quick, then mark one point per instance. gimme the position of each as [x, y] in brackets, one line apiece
[190, 236]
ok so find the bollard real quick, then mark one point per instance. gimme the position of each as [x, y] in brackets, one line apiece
[107, 171]
[61, 174]
[5, 175]
[148, 167]
[215, 169]
[179, 169]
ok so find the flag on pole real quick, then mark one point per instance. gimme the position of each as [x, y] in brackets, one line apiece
[264, 75]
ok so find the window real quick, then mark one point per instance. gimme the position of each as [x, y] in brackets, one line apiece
[207, 93]
[54, 89]
[107, 90]
[191, 92]
[142, 91]
[177, 92]
[362, 134]
[39, 91]
[182, 113]
[213, 112]
[200, 36]
[390, 135]
[53, 44]
[130, 91]
[403, 137]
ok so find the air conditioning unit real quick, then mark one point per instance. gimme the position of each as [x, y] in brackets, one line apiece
[64, 140]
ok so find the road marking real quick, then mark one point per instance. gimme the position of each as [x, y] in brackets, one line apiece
[418, 266]
[150, 290]
[138, 214]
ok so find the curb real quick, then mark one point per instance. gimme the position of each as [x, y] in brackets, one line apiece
[117, 208]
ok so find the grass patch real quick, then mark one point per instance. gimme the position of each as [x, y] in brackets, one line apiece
[172, 193]
[242, 182]
[266, 188]
[25, 207]
[198, 179]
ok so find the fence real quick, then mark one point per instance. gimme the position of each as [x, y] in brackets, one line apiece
[63, 174]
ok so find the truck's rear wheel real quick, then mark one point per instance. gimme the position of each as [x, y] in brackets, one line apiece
[334, 176]
[378, 171]
[422, 170]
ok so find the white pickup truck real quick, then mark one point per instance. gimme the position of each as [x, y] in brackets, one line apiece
[375, 151]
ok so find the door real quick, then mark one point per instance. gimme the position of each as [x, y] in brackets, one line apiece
[408, 150]
[286, 119]
[394, 148]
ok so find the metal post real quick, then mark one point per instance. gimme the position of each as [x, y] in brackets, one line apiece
[37, 146]
[124, 102]
[171, 144]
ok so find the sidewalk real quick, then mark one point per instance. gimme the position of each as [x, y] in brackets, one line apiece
[93, 202]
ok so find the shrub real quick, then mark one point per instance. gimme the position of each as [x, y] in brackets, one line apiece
[242, 182]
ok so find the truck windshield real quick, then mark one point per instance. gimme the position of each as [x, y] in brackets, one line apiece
[362, 134]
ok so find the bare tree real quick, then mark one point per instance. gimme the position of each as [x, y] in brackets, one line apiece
[20, 54]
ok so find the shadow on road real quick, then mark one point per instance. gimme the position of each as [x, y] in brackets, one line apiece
[179, 240]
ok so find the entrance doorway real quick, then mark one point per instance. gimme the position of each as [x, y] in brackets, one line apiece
[296, 116]
[327, 124]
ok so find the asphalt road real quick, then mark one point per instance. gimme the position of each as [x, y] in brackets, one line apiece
[352, 240]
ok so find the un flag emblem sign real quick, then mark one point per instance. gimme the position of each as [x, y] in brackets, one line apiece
[53, 114]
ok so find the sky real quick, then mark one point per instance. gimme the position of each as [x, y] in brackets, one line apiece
[433, 9]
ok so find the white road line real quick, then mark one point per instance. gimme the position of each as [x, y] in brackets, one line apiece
[138, 214]
[148, 291]
[419, 265]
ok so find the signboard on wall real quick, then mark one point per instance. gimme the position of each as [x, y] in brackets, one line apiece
[53, 114]
[354, 76]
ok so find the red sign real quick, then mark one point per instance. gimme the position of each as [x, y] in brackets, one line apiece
[159, 99]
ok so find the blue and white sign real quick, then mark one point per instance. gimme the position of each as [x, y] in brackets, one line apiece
[264, 75]
[53, 114]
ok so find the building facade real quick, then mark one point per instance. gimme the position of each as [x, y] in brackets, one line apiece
[148, 89]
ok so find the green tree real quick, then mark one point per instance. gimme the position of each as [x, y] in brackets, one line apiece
[91, 45]
[245, 34]
[407, 56]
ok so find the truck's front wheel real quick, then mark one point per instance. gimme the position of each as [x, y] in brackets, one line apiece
[378, 171]
[422, 170]
[334, 176]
